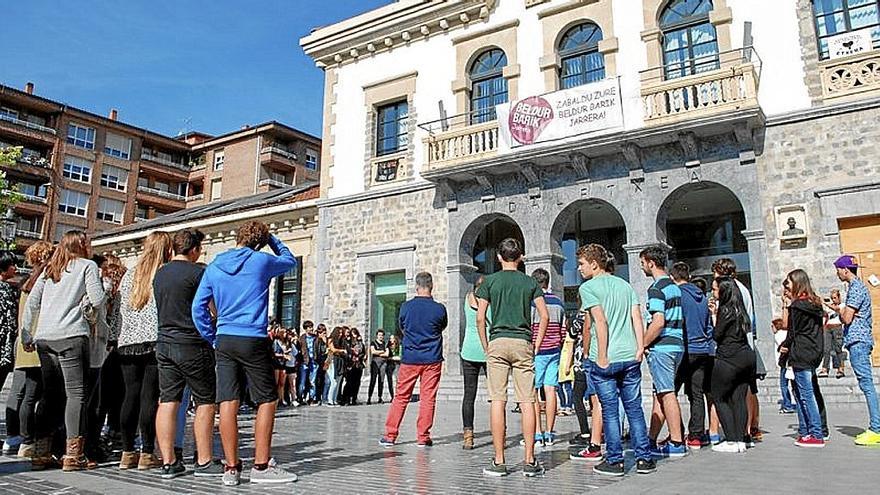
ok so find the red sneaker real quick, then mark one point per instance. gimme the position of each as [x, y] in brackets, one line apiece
[809, 441]
[694, 442]
[593, 453]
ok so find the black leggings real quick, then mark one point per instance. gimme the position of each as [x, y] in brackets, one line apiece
[377, 373]
[13, 404]
[580, 388]
[110, 384]
[730, 383]
[141, 377]
[27, 411]
[470, 370]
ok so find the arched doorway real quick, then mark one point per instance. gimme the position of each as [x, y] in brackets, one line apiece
[702, 222]
[486, 240]
[586, 222]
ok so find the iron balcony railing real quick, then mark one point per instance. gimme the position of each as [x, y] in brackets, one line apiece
[25, 123]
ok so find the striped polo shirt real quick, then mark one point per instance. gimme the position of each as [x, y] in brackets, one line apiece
[555, 328]
[665, 297]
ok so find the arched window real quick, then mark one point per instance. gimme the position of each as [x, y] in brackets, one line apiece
[690, 45]
[834, 17]
[488, 86]
[581, 62]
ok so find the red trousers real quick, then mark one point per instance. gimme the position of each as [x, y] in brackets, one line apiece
[407, 375]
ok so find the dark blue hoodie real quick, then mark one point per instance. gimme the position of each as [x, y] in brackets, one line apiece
[238, 283]
[697, 320]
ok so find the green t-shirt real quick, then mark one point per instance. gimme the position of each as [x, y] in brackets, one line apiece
[616, 297]
[510, 294]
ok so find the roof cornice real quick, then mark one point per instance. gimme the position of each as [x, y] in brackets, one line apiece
[391, 26]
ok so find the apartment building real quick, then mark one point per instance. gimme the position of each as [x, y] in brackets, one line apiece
[738, 128]
[79, 170]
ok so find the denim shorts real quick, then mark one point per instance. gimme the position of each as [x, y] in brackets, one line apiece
[547, 370]
[664, 366]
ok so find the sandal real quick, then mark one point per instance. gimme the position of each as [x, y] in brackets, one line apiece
[840, 374]
[822, 373]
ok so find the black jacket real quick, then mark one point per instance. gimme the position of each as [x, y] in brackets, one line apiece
[804, 341]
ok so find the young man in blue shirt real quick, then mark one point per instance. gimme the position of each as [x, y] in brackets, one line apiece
[664, 345]
[422, 321]
[859, 341]
[237, 282]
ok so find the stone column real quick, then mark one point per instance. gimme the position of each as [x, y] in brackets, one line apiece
[761, 293]
[460, 279]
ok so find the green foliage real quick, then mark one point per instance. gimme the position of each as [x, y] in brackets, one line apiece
[9, 195]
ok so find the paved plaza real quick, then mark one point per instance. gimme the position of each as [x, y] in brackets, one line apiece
[336, 451]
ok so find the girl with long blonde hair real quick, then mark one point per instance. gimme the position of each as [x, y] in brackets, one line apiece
[137, 353]
[62, 341]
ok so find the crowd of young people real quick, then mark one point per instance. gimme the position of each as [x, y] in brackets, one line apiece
[102, 348]
[82, 328]
[698, 337]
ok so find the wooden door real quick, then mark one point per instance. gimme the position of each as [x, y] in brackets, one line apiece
[861, 238]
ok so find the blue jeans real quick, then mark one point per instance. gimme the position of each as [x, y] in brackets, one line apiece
[622, 382]
[331, 389]
[787, 402]
[809, 421]
[308, 375]
[565, 391]
[860, 360]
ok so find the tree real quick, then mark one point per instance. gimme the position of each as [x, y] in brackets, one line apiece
[9, 194]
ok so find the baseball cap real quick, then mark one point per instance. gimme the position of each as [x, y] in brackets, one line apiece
[846, 261]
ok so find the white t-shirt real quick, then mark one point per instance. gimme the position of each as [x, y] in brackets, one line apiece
[747, 302]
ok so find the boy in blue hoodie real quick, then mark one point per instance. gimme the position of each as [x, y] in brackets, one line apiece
[237, 282]
[696, 370]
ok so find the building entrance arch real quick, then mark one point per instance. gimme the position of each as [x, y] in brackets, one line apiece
[480, 241]
[583, 222]
[704, 221]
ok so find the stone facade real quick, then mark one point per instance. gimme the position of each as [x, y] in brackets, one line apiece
[394, 230]
[827, 148]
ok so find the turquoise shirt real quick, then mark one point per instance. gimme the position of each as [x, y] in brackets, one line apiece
[471, 347]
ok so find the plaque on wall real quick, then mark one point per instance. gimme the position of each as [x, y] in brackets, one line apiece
[386, 171]
[791, 226]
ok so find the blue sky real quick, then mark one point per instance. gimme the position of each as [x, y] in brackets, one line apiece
[220, 63]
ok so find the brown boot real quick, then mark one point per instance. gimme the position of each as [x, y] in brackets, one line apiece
[74, 458]
[468, 439]
[42, 458]
[27, 450]
[129, 460]
[148, 461]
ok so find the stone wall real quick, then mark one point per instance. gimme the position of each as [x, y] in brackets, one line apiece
[804, 155]
[377, 233]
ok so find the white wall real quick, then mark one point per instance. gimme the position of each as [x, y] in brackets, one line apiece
[775, 30]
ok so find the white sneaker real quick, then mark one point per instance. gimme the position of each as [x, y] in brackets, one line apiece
[272, 474]
[729, 447]
[10, 446]
[231, 477]
[742, 447]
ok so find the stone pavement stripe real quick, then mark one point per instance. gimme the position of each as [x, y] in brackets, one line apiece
[335, 451]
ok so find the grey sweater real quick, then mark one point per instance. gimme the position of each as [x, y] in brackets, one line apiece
[60, 305]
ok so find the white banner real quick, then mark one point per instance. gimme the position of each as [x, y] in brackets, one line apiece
[850, 43]
[561, 114]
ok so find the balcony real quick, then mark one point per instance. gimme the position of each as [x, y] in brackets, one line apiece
[26, 234]
[850, 75]
[34, 161]
[277, 155]
[33, 199]
[732, 86]
[274, 183]
[25, 123]
[195, 197]
[454, 140]
[150, 157]
[161, 193]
